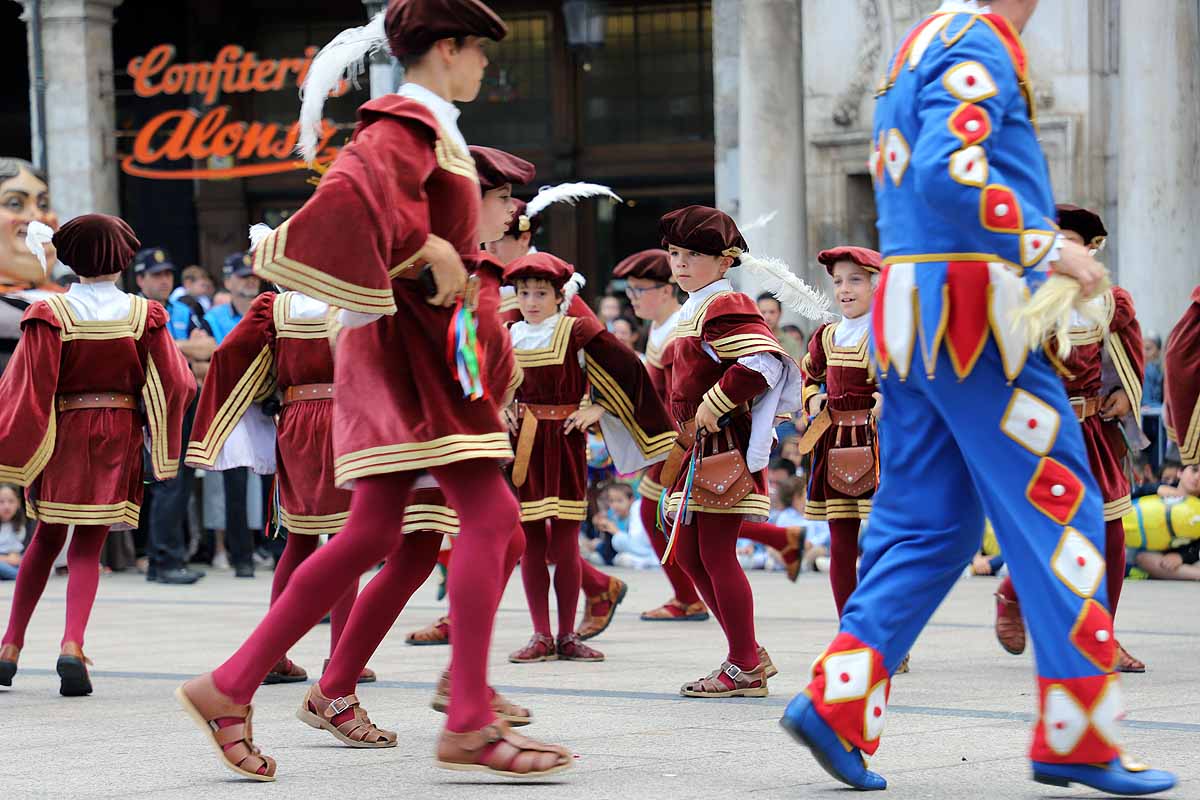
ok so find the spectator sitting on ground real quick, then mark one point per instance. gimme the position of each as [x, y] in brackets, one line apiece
[988, 560]
[1162, 533]
[1144, 481]
[633, 547]
[12, 531]
[1168, 479]
[613, 518]
[787, 502]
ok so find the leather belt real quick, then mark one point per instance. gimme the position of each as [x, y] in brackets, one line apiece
[74, 402]
[529, 414]
[1086, 406]
[683, 443]
[307, 391]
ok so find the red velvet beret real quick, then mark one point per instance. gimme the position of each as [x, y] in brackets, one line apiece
[865, 257]
[705, 230]
[412, 26]
[522, 223]
[1084, 222]
[96, 244]
[539, 265]
[497, 168]
[653, 265]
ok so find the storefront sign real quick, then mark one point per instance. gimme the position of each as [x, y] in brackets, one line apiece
[229, 148]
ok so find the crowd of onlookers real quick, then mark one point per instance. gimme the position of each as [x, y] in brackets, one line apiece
[220, 519]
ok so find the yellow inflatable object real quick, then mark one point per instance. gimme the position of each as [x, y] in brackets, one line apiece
[1159, 524]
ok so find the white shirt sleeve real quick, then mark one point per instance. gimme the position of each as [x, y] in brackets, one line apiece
[355, 319]
[765, 364]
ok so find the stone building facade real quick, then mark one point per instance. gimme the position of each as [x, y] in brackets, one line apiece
[1118, 91]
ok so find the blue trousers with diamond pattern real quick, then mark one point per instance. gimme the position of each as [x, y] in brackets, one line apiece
[946, 462]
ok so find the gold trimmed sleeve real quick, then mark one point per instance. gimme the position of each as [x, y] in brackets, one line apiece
[27, 414]
[223, 402]
[166, 395]
[624, 389]
[717, 401]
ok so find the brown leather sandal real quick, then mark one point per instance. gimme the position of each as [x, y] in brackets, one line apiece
[505, 711]
[205, 704]
[285, 671]
[540, 648]
[570, 647]
[319, 711]
[1010, 626]
[366, 676]
[765, 663]
[903, 667]
[675, 611]
[1127, 663]
[597, 622]
[435, 633]
[9, 654]
[745, 684]
[496, 750]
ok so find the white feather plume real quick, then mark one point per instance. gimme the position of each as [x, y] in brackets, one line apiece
[567, 193]
[793, 293]
[341, 59]
[570, 289]
[37, 236]
[761, 221]
[258, 232]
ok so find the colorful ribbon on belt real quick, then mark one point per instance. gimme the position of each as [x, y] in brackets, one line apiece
[462, 352]
[683, 501]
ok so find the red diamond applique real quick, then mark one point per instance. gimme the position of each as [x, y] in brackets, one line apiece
[1093, 635]
[1055, 491]
[999, 211]
[970, 123]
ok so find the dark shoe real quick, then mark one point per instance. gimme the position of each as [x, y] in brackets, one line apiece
[1111, 778]
[285, 671]
[8, 663]
[806, 726]
[244, 571]
[180, 577]
[72, 672]
[151, 573]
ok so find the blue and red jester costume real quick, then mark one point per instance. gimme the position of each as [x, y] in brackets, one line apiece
[966, 227]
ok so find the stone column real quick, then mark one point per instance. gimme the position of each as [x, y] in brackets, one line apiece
[383, 69]
[771, 136]
[725, 45]
[80, 110]
[1159, 172]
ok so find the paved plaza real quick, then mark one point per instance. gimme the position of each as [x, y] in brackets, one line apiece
[958, 726]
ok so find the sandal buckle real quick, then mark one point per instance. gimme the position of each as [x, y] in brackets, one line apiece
[733, 671]
[339, 706]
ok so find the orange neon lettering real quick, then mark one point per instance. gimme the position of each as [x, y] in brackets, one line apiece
[142, 68]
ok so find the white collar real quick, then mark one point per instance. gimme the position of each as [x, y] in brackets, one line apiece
[659, 334]
[697, 298]
[98, 302]
[532, 337]
[446, 112]
[851, 331]
[965, 7]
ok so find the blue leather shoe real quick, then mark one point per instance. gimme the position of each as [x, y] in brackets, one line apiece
[1111, 778]
[805, 725]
